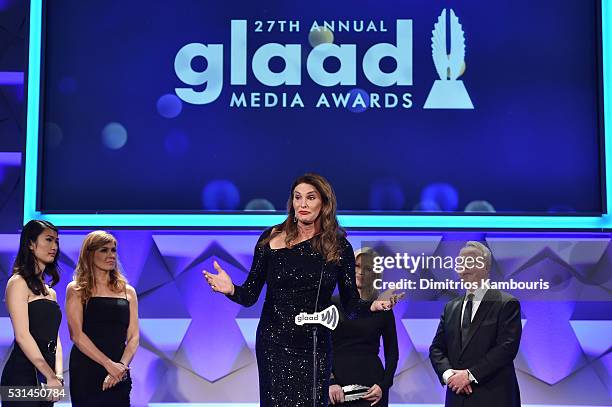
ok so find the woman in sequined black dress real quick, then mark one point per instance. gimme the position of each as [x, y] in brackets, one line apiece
[301, 261]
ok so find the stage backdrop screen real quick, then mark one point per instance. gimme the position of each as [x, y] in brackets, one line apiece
[151, 106]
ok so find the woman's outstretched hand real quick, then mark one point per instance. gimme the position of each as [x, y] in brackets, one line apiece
[220, 282]
[386, 301]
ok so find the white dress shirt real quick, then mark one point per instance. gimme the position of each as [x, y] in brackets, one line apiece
[478, 296]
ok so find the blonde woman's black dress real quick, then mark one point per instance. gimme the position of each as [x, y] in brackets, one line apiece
[105, 322]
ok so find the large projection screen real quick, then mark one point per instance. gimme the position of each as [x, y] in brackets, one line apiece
[134, 123]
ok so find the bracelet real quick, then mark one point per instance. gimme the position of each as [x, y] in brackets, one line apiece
[123, 364]
[60, 378]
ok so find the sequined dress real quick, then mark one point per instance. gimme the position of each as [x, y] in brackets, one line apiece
[284, 350]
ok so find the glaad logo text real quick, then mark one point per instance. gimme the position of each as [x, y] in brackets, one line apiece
[205, 86]
[346, 75]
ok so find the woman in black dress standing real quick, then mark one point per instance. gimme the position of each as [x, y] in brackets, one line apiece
[356, 345]
[102, 311]
[301, 261]
[35, 315]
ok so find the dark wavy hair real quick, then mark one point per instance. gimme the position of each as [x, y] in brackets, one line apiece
[327, 242]
[25, 262]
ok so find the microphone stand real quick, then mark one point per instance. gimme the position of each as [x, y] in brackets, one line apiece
[314, 343]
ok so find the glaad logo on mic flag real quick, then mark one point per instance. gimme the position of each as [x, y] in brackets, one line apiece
[328, 318]
[448, 92]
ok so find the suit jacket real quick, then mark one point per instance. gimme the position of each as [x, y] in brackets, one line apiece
[492, 344]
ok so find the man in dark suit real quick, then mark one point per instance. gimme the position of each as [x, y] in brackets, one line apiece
[477, 340]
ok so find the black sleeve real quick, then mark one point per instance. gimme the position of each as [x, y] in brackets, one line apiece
[509, 330]
[438, 353]
[248, 293]
[332, 378]
[389, 336]
[354, 306]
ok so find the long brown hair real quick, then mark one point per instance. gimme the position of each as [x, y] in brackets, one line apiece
[327, 241]
[84, 272]
[366, 256]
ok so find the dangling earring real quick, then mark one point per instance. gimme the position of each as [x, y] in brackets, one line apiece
[295, 219]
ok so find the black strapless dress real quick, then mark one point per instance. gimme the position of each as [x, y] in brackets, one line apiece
[45, 317]
[284, 350]
[105, 322]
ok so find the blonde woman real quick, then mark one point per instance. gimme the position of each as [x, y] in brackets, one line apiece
[356, 344]
[102, 311]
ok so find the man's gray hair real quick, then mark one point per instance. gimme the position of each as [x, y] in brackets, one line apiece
[484, 252]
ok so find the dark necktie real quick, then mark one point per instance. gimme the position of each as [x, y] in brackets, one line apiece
[467, 319]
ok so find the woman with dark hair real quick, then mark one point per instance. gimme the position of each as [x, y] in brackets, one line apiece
[356, 345]
[301, 261]
[102, 311]
[36, 357]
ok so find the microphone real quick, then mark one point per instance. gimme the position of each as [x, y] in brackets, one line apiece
[329, 318]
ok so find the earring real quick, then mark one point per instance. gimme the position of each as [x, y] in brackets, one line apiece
[295, 219]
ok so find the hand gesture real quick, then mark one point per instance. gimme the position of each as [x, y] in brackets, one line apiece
[459, 382]
[53, 382]
[386, 300]
[374, 394]
[109, 382]
[336, 395]
[116, 370]
[221, 282]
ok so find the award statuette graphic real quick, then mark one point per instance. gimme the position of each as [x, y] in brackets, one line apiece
[448, 92]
